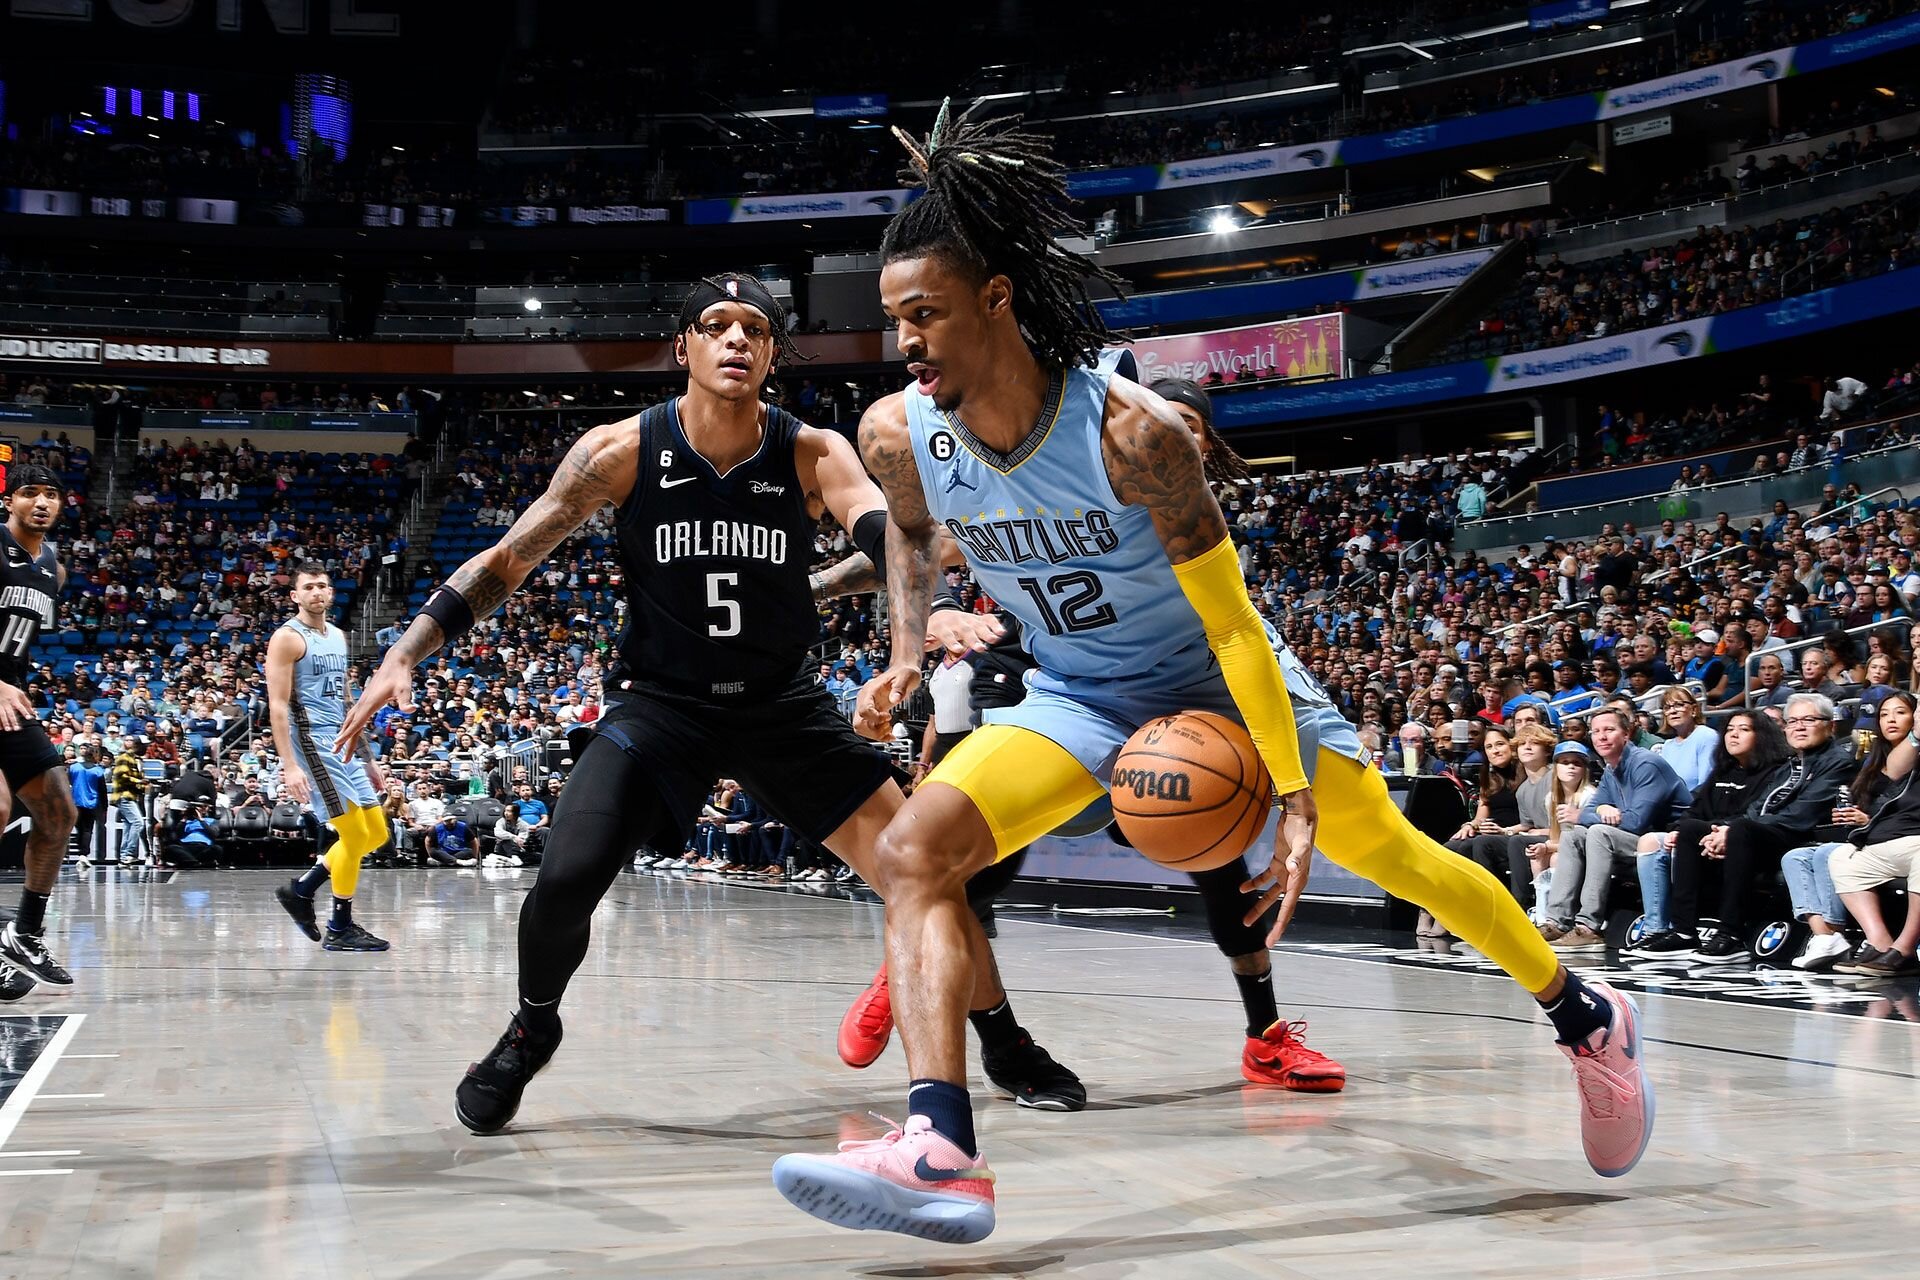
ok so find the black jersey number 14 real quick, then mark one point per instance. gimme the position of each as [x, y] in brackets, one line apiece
[17, 637]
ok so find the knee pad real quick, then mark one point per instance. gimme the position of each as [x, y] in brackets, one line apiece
[1226, 909]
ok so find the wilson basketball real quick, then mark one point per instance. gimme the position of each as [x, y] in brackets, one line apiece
[1190, 791]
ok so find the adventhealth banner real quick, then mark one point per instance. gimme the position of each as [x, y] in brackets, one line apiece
[839, 204]
[1845, 304]
[1299, 293]
[1309, 347]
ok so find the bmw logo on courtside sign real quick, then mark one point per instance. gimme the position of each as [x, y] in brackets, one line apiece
[1771, 938]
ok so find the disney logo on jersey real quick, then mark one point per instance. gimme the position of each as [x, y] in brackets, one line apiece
[1027, 540]
[764, 486]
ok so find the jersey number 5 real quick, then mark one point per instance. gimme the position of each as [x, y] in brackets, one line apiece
[729, 609]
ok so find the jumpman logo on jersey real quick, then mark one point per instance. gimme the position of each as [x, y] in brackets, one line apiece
[955, 482]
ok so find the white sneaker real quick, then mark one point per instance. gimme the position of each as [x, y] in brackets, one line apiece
[1821, 951]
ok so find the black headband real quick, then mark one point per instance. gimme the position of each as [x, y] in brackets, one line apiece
[29, 474]
[1181, 391]
[732, 287]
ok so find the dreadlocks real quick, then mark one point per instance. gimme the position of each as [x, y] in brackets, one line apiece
[995, 199]
[1223, 464]
[739, 287]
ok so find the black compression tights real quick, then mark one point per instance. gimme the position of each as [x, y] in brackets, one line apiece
[1226, 906]
[608, 809]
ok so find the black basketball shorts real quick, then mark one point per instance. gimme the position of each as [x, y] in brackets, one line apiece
[26, 753]
[792, 751]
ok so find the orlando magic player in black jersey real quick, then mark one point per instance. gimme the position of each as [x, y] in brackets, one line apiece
[717, 496]
[30, 579]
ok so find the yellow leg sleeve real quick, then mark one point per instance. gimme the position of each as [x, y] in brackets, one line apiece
[361, 831]
[1024, 784]
[1362, 830]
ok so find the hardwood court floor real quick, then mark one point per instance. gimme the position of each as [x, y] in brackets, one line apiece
[236, 1102]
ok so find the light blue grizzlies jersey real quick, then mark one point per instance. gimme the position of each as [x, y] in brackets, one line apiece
[1050, 541]
[319, 680]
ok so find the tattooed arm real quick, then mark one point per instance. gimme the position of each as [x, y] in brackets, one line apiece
[913, 559]
[854, 576]
[1154, 463]
[599, 469]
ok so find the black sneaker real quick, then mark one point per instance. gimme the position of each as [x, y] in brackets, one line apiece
[301, 909]
[13, 985]
[1667, 944]
[1723, 946]
[1864, 954]
[1891, 963]
[1033, 1078]
[352, 938]
[489, 1094]
[28, 953]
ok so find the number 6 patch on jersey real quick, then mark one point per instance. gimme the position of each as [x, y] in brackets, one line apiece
[941, 445]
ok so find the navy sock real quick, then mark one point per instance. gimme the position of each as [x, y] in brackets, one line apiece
[1578, 1012]
[1256, 993]
[996, 1027]
[948, 1107]
[32, 917]
[307, 885]
[342, 915]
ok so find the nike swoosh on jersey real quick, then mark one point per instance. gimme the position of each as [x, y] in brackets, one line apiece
[927, 1173]
[669, 484]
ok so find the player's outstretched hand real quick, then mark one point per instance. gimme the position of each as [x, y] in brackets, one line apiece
[959, 632]
[873, 715]
[293, 781]
[1286, 876]
[392, 682]
[16, 708]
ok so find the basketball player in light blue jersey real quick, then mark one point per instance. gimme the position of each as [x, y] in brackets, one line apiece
[1081, 502]
[307, 698]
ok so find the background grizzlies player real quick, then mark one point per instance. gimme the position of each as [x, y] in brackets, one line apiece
[307, 698]
[1081, 502]
[30, 579]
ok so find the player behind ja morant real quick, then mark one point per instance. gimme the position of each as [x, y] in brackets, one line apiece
[717, 496]
[30, 580]
[307, 699]
[1081, 502]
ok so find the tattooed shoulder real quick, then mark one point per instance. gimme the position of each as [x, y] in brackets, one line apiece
[1154, 462]
[886, 447]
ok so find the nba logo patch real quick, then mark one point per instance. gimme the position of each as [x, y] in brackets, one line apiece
[733, 288]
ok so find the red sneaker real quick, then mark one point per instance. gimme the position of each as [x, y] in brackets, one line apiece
[868, 1026]
[1282, 1057]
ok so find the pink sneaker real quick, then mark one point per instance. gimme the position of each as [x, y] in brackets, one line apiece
[912, 1181]
[1616, 1097]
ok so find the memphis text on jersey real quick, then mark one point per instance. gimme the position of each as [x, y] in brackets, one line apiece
[697, 539]
[1052, 540]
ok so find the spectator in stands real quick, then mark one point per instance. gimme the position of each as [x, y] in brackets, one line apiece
[1690, 748]
[88, 780]
[1534, 744]
[1415, 755]
[129, 791]
[1745, 759]
[1638, 793]
[451, 842]
[1815, 664]
[1808, 869]
[1572, 785]
[1770, 688]
[1841, 395]
[1887, 849]
[510, 832]
[1788, 809]
[187, 838]
[1484, 837]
